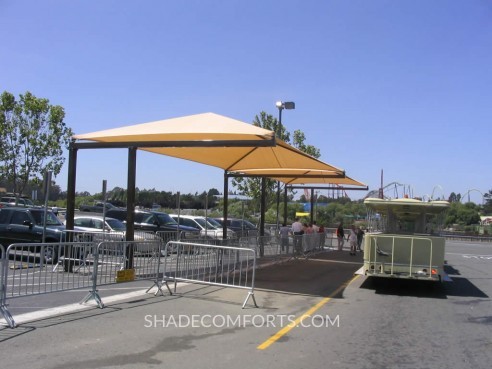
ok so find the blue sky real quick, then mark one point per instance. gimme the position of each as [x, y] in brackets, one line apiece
[403, 86]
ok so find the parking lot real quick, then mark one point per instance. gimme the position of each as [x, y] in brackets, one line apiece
[339, 321]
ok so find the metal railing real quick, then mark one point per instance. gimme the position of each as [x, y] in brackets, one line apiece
[293, 245]
[469, 238]
[3, 289]
[211, 265]
[124, 261]
[381, 260]
[92, 260]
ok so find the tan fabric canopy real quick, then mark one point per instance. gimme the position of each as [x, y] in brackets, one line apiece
[281, 162]
[199, 127]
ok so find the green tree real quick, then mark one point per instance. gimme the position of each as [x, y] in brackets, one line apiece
[462, 214]
[454, 197]
[33, 136]
[252, 186]
[299, 143]
[487, 207]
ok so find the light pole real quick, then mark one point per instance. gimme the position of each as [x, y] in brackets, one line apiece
[281, 106]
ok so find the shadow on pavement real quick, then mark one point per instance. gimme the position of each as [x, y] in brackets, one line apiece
[405, 287]
[320, 274]
[460, 287]
[450, 270]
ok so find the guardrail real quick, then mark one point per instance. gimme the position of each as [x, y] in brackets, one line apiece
[211, 265]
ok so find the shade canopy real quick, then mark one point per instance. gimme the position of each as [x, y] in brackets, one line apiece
[234, 146]
[197, 128]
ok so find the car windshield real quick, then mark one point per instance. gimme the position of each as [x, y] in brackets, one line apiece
[51, 219]
[248, 224]
[116, 225]
[165, 219]
[214, 222]
[204, 223]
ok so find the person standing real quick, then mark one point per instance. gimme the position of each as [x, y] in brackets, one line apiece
[322, 236]
[297, 232]
[315, 228]
[360, 236]
[308, 237]
[352, 239]
[340, 236]
[284, 237]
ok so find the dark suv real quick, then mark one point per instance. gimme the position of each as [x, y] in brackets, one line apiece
[153, 221]
[242, 227]
[25, 225]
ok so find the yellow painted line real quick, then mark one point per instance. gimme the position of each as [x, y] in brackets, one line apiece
[307, 314]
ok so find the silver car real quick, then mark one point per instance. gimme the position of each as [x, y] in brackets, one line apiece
[208, 227]
[97, 228]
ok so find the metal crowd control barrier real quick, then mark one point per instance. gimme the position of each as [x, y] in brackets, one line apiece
[294, 245]
[30, 269]
[211, 265]
[3, 289]
[125, 261]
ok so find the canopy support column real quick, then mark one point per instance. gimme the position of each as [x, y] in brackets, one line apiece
[226, 205]
[262, 215]
[285, 205]
[130, 203]
[70, 212]
[72, 176]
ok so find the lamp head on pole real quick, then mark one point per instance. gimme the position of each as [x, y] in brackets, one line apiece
[285, 105]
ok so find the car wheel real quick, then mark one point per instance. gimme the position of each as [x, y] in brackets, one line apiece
[50, 254]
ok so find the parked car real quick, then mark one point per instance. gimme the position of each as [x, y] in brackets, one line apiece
[153, 221]
[99, 228]
[7, 201]
[97, 223]
[98, 207]
[25, 225]
[208, 227]
[242, 227]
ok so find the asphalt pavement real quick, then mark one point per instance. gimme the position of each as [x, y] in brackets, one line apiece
[338, 321]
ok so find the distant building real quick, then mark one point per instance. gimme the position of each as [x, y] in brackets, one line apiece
[486, 219]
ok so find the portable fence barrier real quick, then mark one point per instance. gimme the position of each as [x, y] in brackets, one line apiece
[293, 245]
[124, 261]
[214, 265]
[3, 291]
[30, 269]
[93, 259]
[89, 259]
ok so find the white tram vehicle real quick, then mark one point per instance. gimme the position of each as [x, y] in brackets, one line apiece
[402, 239]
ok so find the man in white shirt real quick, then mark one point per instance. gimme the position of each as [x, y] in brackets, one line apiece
[297, 231]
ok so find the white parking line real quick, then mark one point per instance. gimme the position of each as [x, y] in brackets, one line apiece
[472, 256]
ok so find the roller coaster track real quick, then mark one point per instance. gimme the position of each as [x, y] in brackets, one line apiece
[394, 185]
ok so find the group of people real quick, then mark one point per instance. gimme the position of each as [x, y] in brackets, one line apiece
[354, 238]
[297, 229]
